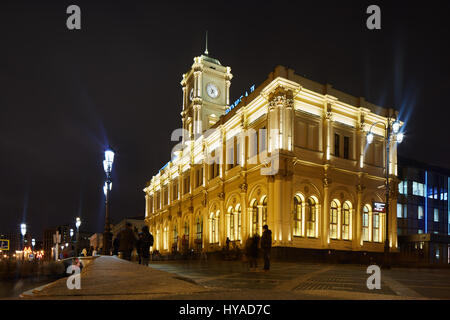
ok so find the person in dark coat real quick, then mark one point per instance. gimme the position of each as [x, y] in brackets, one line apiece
[145, 244]
[116, 246]
[138, 247]
[127, 241]
[266, 245]
[252, 251]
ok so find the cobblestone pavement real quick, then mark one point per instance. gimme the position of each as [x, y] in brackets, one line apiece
[318, 280]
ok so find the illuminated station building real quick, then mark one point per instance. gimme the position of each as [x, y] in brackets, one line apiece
[290, 153]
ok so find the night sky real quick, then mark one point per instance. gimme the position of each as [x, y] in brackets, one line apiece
[65, 95]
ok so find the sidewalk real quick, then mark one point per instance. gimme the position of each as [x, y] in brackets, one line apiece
[107, 278]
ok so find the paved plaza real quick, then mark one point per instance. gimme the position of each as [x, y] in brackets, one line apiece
[113, 278]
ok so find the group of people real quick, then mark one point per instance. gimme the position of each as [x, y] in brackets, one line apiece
[252, 249]
[126, 242]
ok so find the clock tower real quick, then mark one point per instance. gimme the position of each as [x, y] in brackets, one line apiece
[206, 94]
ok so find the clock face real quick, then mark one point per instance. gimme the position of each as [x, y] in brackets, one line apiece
[191, 94]
[212, 90]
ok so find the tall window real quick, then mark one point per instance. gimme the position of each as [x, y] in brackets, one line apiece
[436, 215]
[346, 216]
[231, 223]
[239, 222]
[186, 229]
[336, 144]
[262, 136]
[255, 217]
[175, 234]
[158, 199]
[403, 187]
[297, 216]
[264, 211]
[214, 167]
[231, 153]
[418, 189]
[199, 177]
[376, 226]
[346, 147]
[365, 224]
[311, 216]
[187, 184]
[420, 212]
[199, 229]
[214, 227]
[166, 195]
[334, 220]
[175, 189]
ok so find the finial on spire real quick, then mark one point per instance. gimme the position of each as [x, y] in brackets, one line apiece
[206, 49]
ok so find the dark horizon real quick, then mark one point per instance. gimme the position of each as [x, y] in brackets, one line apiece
[67, 95]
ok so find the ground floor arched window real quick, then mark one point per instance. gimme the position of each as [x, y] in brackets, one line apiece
[365, 224]
[254, 216]
[214, 227]
[346, 221]
[264, 211]
[311, 217]
[334, 214]
[376, 227]
[298, 229]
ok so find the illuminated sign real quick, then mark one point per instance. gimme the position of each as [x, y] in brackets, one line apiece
[4, 244]
[234, 104]
[379, 207]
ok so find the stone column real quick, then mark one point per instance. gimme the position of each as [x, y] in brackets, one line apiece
[244, 213]
[357, 225]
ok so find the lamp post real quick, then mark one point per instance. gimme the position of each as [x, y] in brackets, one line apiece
[23, 231]
[107, 166]
[392, 134]
[77, 224]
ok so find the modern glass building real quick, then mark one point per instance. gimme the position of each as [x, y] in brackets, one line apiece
[423, 211]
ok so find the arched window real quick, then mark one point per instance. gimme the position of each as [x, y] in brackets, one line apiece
[365, 224]
[254, 216]
[214, 227]
[334, 209]
[199, 228]
[311, 217]
[346, 218]
[186, 229]
[175, 236]
[297, 216]
[231, 223]
[376, 227]
[239, 222]
[264, 211]
[166, 238]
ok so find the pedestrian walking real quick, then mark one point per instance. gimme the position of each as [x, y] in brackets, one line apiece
[266, 245]
[138, 247]
[127, 241]
[145, 244]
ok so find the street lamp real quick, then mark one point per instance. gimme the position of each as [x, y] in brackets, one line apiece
[107, 166]
[392, 134]
[77, 224]
[23, 231]
[33, 242]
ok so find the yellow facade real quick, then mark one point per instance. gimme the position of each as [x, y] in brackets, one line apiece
[310, 176]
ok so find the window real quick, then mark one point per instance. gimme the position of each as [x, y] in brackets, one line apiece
[418, 189]
[336, 144]
[376, 226]
[262, 136]
[231, 153]
[186, 229]
[187, 184]
[199, 229]
[239, 222]
[436, 215]
[199, 177]
[235, 223]
[403, 187]
[365, 224]
[399, 210]
[214, 167]
[346, 221]
[420, 212]
[231, 223]
[158, 199]
[420, 231]
[214, 227]
[297, 216]
[175, 236]
[264, 211]
[166, 195]
[311, 216]
[175, 190]
[334, 220]
[346, 147]
[255, 218]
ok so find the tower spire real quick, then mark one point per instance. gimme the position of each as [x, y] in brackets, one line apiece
[206, 48]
